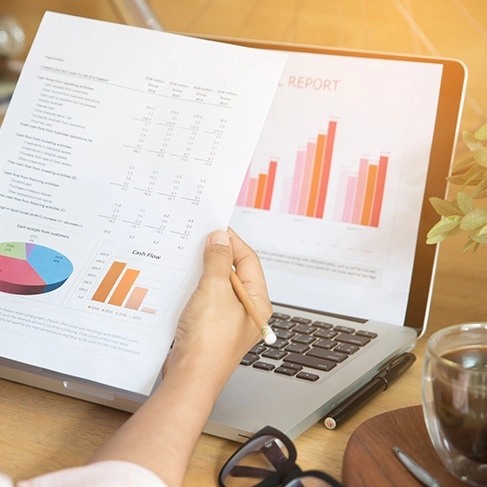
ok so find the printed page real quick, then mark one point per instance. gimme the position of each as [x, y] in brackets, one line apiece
[121, 150]
[333, 196]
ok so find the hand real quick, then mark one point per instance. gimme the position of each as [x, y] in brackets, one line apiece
[215, 330]
[213, 334]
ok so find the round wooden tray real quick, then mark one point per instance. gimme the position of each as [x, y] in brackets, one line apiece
[369, 460]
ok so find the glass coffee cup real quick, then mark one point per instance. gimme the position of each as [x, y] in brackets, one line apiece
[455, 399]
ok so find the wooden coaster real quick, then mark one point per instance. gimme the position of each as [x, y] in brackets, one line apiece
[369, 460]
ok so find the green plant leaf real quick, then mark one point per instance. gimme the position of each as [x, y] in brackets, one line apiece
[470, 140]
[465, 203]
[481, 239]
[481, 133]
[474, 220]
[444, 207]
[461, 167]
[456, 180]
[480, 156]
[479, 189]
[443, 226]
[438, 238]
[468, 245]
[471, 243]
[474, 175]
[454, 202]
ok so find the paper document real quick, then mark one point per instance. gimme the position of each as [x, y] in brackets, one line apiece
[121, 150]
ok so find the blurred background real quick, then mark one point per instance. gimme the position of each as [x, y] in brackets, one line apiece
[447, 28]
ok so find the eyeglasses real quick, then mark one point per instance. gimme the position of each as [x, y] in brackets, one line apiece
[268, 459]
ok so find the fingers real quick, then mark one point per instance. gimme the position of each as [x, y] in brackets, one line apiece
[249, 270]
[218, 256]
[224, 249]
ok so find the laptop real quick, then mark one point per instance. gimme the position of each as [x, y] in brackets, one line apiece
[335, 203]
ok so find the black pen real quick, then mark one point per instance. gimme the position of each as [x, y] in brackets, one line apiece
[380, 382]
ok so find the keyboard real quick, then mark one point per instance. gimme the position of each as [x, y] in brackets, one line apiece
[306, 349]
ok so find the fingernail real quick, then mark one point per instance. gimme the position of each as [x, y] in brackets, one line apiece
[219, 237]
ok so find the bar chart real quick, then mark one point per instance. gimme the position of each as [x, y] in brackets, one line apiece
[118, 289]
[256, 192]
[360, 194]
[130, 284]
[306, 192]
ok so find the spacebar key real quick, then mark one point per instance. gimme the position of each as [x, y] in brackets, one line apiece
[311, 362]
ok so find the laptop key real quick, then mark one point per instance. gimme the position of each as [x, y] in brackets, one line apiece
[347, 348]
[249, 359]
[344, 329]
[368, 334]
[283, 325]
[325, 343]
[274, 354]
[360, 341]
[328, 354]
[302, 321]
[279, 343]
[257, 349]
[322, 324]
[296, 367]
[297, 348]
[308, 376]
[263, 365]
[304, 329]
[326, 334]
[306, 339]
[280, 316]
[283, 334]
[289, 371]
[311, 362]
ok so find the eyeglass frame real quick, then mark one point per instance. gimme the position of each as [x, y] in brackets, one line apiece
[285, 473]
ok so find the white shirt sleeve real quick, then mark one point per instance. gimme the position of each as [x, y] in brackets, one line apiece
[100, 474]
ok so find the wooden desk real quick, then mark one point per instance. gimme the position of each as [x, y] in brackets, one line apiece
[41, 431]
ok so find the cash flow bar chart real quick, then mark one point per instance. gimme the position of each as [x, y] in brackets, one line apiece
[118, 289]
[360, 195]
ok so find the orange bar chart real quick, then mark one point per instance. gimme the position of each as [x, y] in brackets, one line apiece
[257, 192]
[123, 287]
[118, 288]
[316, 175]
[361, 195]
[307, 193]
[311, 175]
[136, 297]
[108, 282]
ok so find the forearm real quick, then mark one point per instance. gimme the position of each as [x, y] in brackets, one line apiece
[162, 434]
[213, 334]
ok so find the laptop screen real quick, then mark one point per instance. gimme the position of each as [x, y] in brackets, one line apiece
[335, 198]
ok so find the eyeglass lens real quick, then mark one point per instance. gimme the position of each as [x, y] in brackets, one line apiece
[258, 460]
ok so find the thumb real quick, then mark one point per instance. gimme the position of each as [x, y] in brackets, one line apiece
[218, 255]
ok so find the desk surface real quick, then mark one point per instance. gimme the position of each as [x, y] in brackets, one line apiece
[41, 431]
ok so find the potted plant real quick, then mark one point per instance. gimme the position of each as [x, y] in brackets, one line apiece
[463, 213]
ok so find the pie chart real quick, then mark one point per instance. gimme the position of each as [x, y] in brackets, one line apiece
[27, 268]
